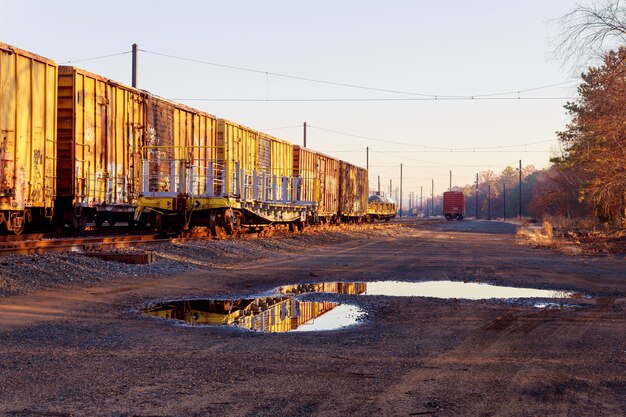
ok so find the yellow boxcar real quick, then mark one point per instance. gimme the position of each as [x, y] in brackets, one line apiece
[328, 174]
[320, 181]
[28, 91]
[282, 158]
[180, 150]
[305, 168]
[238, 151]
[100, 136]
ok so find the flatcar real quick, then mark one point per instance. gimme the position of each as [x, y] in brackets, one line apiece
[381, 208]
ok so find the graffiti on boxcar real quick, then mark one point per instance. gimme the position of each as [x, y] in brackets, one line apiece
[36, 183]
[20, 186]
[6, 164]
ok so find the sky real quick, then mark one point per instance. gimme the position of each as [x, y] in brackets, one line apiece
[273, 65]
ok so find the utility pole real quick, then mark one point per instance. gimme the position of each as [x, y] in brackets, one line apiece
[400, 189]
[421, 201]
[476, 212]
[489, 202]
[520, 190]
[432, 197]
[450, 189]
[134, 75]
[367, 158]
[390, 189]
[504, 197]
[305, 134]
[379, 185]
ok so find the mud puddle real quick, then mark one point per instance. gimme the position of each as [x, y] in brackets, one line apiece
[270, 314]
[282, 310]
[433, 289]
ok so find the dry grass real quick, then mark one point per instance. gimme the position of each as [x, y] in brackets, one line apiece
[574, 236]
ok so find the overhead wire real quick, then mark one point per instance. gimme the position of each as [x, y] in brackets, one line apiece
[346, 100]
[95, 57]
[356, 86]
[429, 148]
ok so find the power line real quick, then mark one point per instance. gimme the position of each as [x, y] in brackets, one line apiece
[281, 128]
[314, 80]
[430, 148]
[340, 100]
[95, 57]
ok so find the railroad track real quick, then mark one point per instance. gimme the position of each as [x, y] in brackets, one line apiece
[98, 240]
[76, 244]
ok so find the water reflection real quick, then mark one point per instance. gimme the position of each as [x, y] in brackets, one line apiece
[434, 289]
[352, 288]
[272, 314]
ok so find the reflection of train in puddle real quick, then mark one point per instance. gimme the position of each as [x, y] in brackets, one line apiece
[274, 314]
[349, 288]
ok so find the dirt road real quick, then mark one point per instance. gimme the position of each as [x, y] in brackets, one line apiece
[84, 349]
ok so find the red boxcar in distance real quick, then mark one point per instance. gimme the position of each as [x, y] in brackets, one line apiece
[453, 205]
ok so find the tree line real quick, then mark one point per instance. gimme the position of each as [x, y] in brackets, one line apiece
[588, 178]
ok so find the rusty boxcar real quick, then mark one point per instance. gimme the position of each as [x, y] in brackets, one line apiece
[28, 85]
[353, 192]
[100, 137]
[320, 179]
[328, 174]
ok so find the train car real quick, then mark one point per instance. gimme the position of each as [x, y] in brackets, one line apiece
[255, 196]
[319, 175]
[100, 137]
[77, 148]
[381, 208]
[453, 205]
[28, 103]
[178, 171]
[243, 177]
[353, 192]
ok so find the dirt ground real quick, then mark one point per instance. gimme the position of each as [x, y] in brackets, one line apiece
[83, 349]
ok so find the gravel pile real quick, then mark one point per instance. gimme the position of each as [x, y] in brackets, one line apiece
[25, 274]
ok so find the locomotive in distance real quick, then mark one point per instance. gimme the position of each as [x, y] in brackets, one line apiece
[79, 148]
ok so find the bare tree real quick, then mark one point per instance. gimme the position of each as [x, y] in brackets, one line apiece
[588, 32]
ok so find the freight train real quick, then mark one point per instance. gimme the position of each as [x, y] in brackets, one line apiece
[78, 148]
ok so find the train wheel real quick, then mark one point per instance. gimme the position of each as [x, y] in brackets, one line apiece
[232, 222]
[57, 223]
[229, 224]
[78, 223]
[161, 223]
[165, 224]
[213, 223]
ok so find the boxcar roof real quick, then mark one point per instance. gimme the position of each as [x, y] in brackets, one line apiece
[22, 52]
